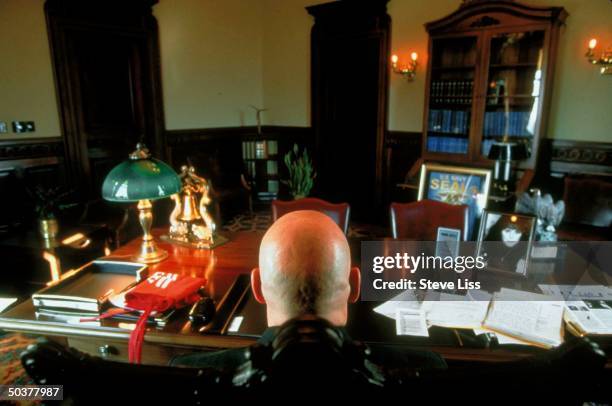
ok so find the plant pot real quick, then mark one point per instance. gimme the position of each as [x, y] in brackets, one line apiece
[298, 197]
[48, 228]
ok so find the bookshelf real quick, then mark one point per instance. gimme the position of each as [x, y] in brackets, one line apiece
[261, 161]
[489, 77]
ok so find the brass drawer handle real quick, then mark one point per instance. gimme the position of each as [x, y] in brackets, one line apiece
[106, 350]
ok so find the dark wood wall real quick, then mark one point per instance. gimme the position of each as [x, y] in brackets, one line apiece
[25, 164]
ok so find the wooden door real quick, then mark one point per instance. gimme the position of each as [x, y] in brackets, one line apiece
[107, 77]
[349, 103]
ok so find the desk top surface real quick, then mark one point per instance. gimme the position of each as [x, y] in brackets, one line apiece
[221, 266]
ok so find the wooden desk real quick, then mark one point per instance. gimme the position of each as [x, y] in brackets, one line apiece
[109, 339]
[220, 267]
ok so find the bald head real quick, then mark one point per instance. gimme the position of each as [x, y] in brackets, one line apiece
[305, 268]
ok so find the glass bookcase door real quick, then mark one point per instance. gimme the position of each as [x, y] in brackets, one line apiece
[514, 86]
[453, 70]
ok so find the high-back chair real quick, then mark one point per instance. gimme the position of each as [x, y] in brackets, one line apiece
[309, 359]
[419, 221]
[339, 212]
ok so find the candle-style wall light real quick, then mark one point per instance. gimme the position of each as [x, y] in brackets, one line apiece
[604, 61]
[408, 70]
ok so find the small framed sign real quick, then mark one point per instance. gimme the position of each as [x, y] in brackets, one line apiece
[447, 242]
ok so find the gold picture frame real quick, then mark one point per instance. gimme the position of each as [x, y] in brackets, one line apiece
[457, 185]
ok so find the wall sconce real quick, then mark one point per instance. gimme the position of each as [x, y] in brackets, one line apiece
[605, 60]
[409, 71]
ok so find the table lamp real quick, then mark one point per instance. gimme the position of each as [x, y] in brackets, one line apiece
[142, 179]
[504, 153]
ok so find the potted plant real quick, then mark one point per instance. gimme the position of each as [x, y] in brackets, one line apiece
[301, 173]
[47, 205]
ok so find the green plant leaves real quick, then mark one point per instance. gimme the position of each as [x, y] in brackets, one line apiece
[301, 172]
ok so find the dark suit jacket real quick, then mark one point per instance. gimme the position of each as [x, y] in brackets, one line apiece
[383, 355]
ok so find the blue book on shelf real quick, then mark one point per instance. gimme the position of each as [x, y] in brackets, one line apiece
[446, 121]
[462, 145]
[487, 123]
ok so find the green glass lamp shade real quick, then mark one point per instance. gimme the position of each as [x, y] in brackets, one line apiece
[140, 179]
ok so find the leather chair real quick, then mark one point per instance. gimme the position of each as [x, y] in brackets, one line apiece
[308, 360]
[419, 221]
[339, 212]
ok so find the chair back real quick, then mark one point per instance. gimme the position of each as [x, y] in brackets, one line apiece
[339, 212]
[309, 359]
[420, 220]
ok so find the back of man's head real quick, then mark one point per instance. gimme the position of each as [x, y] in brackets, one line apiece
[305, 268]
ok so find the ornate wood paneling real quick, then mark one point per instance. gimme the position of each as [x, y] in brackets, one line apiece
[580, 157]
[31, 148]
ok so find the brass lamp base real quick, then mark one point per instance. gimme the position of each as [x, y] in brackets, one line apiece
[149, 252]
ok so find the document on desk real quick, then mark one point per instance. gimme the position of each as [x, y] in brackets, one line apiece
[518, 315]
[456, 311]
[590, 317]
[577, 292]
[410, 322]
[405, 300]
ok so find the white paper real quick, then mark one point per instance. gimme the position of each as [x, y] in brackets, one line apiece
[507, 294]
[410, 322]
[6, 302]
[578, 312]
[235, 324]
[456, 311]
[537, 321]
[578, 292]
[503, 339]
[602, 310]
[405, 300]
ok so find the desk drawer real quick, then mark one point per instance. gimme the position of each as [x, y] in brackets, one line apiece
[117, 350]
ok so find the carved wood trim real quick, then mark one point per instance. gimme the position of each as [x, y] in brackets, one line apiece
[469, 8]
[181, 137]
[31, 148]
[484, 21]
[568, 156]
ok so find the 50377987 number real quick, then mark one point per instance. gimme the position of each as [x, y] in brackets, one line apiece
[31, 392]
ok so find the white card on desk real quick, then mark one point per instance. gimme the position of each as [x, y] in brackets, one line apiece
[410, 322]
[6, 302]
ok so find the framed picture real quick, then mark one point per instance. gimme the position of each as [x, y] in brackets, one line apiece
[505, 240]
[457, 185]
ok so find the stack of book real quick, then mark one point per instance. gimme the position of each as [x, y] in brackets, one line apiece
[450, 145]
[260, 149]
[514, 122]
[451, 91]
[449, 121]
[88, 292]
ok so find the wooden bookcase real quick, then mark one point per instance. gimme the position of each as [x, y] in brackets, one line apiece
[489, 75]
[261, 161]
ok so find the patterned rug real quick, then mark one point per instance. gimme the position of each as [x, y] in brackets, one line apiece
[249, 222]
[11, 346]
[260, 221]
